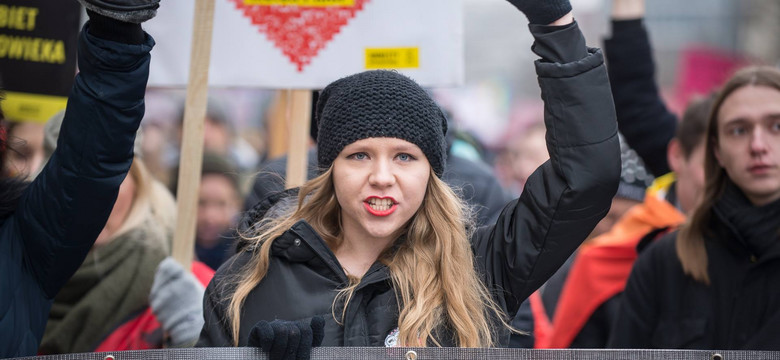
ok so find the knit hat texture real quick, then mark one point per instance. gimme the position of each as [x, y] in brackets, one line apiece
[379, 103]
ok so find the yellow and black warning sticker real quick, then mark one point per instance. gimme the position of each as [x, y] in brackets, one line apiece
[315, 3]
[393, 58]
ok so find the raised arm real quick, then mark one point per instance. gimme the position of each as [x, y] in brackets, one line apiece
[67, 205]
[642, 116]
[566, 197]
[64, 209]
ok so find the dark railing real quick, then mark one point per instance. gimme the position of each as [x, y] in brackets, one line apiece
[377, 353]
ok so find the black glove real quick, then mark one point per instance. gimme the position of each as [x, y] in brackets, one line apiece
[288, 340]
[542, 12]
[132, 11]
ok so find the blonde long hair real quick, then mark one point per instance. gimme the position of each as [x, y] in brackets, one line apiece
[432, 268]
[690, 245]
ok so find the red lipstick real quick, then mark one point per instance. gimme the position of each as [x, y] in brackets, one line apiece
[380, 206]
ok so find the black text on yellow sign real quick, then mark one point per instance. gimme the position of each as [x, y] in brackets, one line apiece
[393, 58]
[314, 3]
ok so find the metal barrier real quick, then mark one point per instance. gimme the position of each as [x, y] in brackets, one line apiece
[377, 353]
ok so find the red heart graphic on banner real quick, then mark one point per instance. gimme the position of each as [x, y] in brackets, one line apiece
[300, 32]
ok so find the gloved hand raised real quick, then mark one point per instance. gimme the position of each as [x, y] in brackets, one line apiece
[132, 11]
[542, 12]
[288, 340]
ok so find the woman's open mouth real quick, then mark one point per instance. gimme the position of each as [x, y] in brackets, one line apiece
[380, 206]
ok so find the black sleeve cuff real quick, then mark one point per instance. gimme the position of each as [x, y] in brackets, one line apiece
[559, 43]
[114, 30]
[627, 27]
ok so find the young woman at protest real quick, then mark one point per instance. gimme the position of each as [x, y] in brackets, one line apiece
[714, 284]
[48, 226]
[379, 251]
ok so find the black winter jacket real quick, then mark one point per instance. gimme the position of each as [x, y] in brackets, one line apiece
[61, 213]
[664, 308]
[533, 236]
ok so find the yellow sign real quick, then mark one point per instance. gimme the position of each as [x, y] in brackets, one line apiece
[315, 3]
[32, 107]
[393, 58]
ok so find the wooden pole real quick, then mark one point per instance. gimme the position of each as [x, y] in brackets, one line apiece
[299, 138]
[278, 124]
[191, 159]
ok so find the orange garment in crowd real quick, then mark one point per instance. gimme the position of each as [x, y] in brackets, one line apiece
[602, 265]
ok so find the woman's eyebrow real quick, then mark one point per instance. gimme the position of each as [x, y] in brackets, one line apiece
[406, 148]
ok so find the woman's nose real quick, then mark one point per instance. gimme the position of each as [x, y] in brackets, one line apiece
[382, 174]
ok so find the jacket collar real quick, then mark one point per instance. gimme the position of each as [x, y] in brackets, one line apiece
[303, 244]
[756, 229]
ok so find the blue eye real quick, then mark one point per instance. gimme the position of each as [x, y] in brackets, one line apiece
[405, 157]
[358, 156]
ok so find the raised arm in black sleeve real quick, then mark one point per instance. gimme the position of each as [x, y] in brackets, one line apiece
[642, 116]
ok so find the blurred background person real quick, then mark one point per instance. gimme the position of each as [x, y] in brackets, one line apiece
[220, 137]
[219, 207]
[520, 155]
[106, 305]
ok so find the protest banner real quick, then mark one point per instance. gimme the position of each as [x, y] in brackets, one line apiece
[37, 56]
[306, 44]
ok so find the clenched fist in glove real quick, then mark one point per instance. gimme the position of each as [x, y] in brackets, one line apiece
[542, 12]
[132, 11]
[177, 302]
[288, 340]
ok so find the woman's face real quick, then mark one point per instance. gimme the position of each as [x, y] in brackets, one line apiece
[748, 146]
[380, 183]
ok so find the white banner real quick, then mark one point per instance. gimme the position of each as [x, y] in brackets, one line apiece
[306, 44]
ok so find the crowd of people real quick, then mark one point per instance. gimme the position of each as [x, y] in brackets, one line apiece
[613, 223]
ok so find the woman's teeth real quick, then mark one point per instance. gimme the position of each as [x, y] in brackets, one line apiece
[380, 204]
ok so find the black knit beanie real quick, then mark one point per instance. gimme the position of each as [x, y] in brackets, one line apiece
[379, 103]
